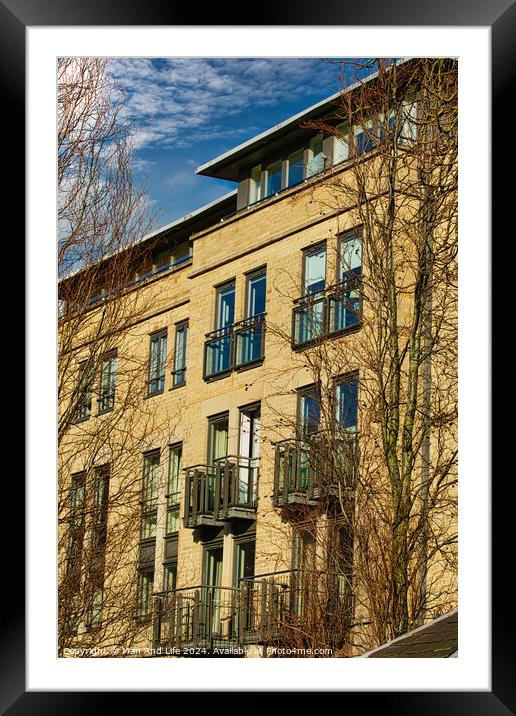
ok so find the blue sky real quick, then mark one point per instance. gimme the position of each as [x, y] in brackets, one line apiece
[190, 110]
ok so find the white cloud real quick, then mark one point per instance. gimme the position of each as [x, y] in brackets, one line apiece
[181, 101]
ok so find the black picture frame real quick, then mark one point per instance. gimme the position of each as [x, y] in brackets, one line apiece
[500, 16]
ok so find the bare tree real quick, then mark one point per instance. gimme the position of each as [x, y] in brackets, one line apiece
[103, 367]
[390, 321]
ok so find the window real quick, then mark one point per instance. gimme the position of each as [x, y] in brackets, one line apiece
[345, 304]
[144, 593]
[314, 270]
[303, 556]
[409, 122]
[107, 383]
[296, 168]
[150, 488]
[256, 285]
[213, 565]
[218, 354]
[170, 576]
[84, 390]
[98, 545]
[347, 404]
[273, 179]
[309, 315]
[255, 186]
[245, 552]
[179, 372]
[217, 437]
[158, 360]
[249, 336]
[76, 527]
[341, 144]
[173, 487]
[316, 161]
[249, 454]
[303, 563]
[364, 139]
[309, 411]
[225, 306]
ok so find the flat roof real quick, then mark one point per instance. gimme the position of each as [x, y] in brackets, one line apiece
[226, 165]
[191, 216]
[181, 223]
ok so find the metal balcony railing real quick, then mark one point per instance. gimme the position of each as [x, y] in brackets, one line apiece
[290, 606]
[234, 346]
[226, 490]
[327, 313]
[309, 468]
[201, 617]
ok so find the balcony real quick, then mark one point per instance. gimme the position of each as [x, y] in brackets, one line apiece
[234, 347]
[295, 606]
[326, 314]
[290, 608]
[311, 468]
[225, 491]
[193, 618]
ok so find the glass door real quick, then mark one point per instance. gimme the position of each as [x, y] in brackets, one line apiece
[309, 424]
[249, 455]
[217, 449]
[213, 581]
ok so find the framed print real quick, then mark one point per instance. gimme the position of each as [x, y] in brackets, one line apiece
[226, 464]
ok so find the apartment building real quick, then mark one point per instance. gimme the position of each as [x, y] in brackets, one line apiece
[248, 418]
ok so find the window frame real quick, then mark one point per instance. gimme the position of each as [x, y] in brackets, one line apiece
[255, 273]
[309, 250]
[238, 541]
[305, 391]
[87, 387]
[98, 545]
[147, 614]
[212, 419]
[231, 283]
[275, 163]
[149, 512]
[338, 381]
[180, 326]
[109, 358]
[172, 505]
[161, 370]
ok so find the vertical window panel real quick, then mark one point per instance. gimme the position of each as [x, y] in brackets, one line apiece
[157, 363]
[296, 167]
[179, 373]
[316, 161]
[107, 384]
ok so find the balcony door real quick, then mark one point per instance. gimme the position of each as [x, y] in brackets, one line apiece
[213, 581]
[217, 449]
[304, 582]
[309, 316]
[249, 454]
[309, 421]
[218, 348]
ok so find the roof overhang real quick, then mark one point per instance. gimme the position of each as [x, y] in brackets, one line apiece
[228, 165]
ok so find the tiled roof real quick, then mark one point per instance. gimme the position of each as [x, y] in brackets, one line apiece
[437, 639]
